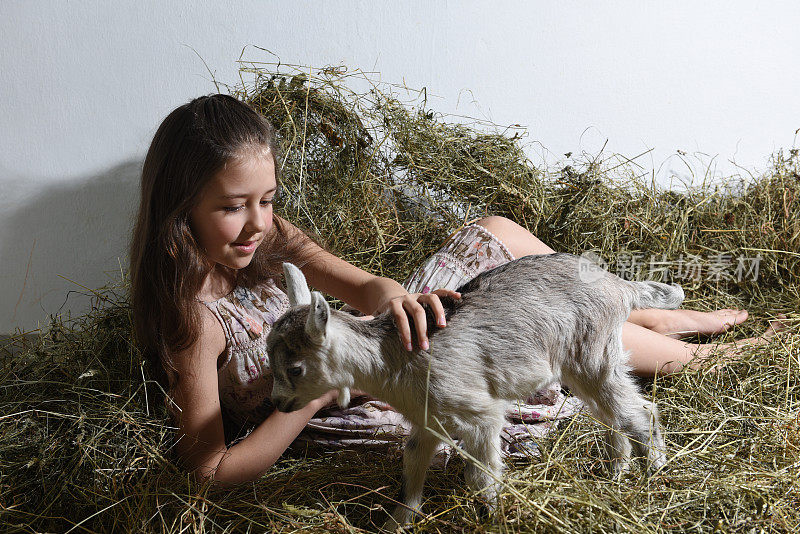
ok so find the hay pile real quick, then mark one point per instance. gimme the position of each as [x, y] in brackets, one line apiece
[84, 448]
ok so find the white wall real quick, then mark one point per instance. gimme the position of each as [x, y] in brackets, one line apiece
[85, 85]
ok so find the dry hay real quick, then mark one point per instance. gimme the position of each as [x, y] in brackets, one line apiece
[83, 447]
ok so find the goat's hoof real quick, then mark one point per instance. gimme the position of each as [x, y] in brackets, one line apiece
[486, 509]
[656, 464]
[619, 468]
[392, 526]
[398, 521]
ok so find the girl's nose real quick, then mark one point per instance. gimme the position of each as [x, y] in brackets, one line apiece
[256, 221]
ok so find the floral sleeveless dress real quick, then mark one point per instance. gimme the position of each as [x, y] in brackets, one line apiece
[245, 380]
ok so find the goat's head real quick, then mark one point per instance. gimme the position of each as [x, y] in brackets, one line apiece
[299, 348]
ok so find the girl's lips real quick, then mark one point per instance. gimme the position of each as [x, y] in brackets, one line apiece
[246, 247]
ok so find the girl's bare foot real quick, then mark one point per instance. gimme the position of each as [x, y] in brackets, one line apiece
[731, 351]
[779, 324]
[683, 323]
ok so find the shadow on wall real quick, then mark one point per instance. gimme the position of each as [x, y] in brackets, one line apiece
[62, 237]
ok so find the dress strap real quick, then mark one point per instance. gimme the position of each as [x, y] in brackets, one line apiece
[226, 325]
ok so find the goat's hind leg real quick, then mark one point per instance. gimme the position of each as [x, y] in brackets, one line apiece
[618, 449]
[417, 454]
[654, 449]
[627, 411]
[616, 400]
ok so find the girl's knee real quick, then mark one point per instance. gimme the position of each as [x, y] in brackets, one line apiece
[496, 223]
[517, 238]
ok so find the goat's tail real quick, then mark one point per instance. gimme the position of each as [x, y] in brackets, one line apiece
[656, 295]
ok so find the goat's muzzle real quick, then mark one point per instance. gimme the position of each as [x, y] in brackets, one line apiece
[284, 405]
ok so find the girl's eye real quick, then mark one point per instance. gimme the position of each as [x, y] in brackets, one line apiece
[233, 209]
[294, 371]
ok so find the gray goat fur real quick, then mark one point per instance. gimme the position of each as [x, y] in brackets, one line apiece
[515, 329]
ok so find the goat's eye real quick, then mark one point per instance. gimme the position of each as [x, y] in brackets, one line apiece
[294, 371]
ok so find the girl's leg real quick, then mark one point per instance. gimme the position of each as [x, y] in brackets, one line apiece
[673, 323]
[651, 351]
[523, 243]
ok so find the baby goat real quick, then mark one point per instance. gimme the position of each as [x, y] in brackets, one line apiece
[516, 329]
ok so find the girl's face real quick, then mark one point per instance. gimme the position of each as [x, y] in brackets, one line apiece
[234, 213]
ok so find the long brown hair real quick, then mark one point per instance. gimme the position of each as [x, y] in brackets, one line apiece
[192, 144]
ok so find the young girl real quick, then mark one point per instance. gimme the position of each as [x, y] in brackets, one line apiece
[205, 259]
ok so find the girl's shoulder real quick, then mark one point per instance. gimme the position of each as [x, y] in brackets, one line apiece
[210, 343]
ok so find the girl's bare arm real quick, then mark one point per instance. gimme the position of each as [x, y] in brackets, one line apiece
[201, 439]
[368, 293]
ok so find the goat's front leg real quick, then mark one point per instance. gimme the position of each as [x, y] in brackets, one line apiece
[485, 469]
[417, 455]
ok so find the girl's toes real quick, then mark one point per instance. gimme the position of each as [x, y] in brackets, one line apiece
[740, 316]
[732, 317]
[778, 324]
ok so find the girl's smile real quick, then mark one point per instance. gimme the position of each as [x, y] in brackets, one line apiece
[248, 247]
[235, 210]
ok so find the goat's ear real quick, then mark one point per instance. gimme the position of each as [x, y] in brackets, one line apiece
[296, 286]
[317, 322]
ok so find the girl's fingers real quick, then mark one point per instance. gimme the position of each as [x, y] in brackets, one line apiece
[410, 305]
[415, 309]
[447, 293]
[401, 320]
[436, 306]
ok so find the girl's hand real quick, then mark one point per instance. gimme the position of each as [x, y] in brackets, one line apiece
[328, 399]
[410, 305]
